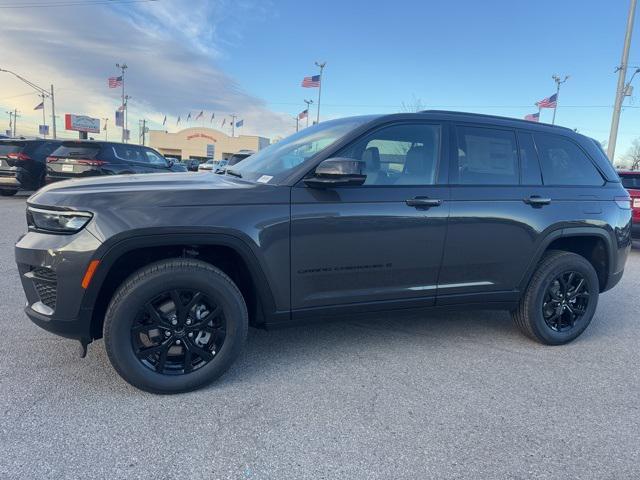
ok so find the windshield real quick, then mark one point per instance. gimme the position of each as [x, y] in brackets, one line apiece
[277, 160]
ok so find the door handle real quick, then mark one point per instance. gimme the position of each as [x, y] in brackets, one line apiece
[423, 202]
[537, 201]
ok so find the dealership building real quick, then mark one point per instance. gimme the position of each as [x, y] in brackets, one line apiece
[202, 143]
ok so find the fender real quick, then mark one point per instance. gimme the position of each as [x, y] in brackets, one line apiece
[568, 232]
[110, 251]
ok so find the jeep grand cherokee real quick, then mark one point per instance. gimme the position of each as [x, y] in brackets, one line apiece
[364, 214]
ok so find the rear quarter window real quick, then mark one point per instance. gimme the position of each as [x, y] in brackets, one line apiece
[6, 148]
[563, 163]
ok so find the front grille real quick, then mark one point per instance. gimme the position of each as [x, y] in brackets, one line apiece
[46, 283]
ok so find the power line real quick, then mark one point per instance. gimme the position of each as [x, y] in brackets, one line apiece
[72, 3]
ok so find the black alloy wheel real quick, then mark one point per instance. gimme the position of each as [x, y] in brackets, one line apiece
[566, 301]
[178, 331]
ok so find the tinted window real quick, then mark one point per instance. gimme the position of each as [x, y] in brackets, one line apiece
[405, 154]
[564, 163]
[76, 151]
[529, 165]
[154, 158]
[630, 181]
[6, 148]
[487, 156]
[129, 153]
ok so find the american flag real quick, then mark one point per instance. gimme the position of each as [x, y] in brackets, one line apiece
[549, 102]
[533, 117]
[311, 82]
[40, 106]
[122, 107]
[115, 82]
[213, 115]
[303, 114]
[200, 115]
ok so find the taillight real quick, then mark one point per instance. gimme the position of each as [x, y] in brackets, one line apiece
[18, 156]
[91, 163]
[623, 202]
[51, 159]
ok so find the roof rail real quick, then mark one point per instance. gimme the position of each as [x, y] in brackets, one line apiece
[497, 117]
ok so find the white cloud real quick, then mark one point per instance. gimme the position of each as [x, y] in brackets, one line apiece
[171, 49]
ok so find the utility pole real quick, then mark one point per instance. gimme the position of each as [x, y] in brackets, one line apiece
[144, 130]
[15, 123]
[122, 68]
[233, 125]
[620, 87]
[53, 113]
[106, 120]
[321, 65]
[309, 102]
[559, 82]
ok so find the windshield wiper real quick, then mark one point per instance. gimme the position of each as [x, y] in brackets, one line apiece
[233, 174]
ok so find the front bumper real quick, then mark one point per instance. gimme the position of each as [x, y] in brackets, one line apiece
[51, 268]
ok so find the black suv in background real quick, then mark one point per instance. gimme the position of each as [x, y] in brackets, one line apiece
[23, 164]
[358, 215]
[87, 158]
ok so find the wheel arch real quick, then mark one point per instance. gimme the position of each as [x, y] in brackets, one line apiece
[593, 243]
[119, 258]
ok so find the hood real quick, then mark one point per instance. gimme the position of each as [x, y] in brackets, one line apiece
[156, 190]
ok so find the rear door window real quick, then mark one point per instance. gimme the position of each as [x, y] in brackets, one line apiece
[129, 153]
[564, 163]
[487, 156]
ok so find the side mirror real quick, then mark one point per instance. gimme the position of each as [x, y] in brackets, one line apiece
[170, 162]
[337, 172]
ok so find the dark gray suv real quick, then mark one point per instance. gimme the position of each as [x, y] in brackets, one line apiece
[363, 214]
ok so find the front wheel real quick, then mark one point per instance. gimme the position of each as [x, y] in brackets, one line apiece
[560, 300]
[175, 326]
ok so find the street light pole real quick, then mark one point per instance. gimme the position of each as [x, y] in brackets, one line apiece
[321, 65]
[42, 92]
[559, 82]
[309, 102]
[233, 125]
[620, 87]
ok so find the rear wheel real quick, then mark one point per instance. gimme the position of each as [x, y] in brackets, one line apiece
[560, 300]
[8, 193]
[175, 326]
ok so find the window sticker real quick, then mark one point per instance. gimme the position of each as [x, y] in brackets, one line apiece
[264, 179]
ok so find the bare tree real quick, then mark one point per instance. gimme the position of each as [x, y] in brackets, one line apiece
[633, 155]
[415, 105]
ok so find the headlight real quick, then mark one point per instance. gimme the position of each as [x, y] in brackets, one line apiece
[59, 221]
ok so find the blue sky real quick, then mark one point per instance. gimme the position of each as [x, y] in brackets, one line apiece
[249, 57]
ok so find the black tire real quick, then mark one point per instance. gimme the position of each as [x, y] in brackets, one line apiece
[150, 282]
[538, 306]
[8, 193]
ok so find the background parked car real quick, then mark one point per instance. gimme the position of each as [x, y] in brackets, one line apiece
[233, 160]
[631, 181]
[191, 163]
[22, 164]
[207, 166]
[85, 158]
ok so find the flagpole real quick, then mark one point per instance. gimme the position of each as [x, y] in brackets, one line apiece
[123, 67]
[44, 121]
[559, 82]
[321, 65]
[233, 125]
[309, 102]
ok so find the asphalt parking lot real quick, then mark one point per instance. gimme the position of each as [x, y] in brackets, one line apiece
[456, 395]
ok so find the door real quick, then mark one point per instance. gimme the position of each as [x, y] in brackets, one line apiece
[379, 242]
[498, 214]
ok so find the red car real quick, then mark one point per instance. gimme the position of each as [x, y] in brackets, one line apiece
[631, 181]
